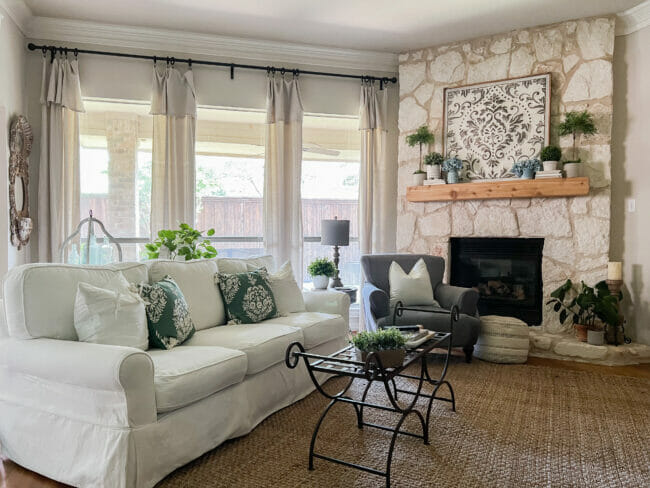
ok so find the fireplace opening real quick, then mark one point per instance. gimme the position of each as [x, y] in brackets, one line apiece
[507, 273]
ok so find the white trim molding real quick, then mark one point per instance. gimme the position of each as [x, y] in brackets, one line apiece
[18, 11]
[192, 44]
[633, 19]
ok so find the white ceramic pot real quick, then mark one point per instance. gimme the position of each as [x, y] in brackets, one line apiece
[596, 337]
[418, 179]
[433, 171]
[320, 282]
[572, 170]
[550, 165]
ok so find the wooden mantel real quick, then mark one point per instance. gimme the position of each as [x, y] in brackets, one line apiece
[514, 188]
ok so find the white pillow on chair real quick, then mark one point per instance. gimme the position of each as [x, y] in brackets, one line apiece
[410, 289]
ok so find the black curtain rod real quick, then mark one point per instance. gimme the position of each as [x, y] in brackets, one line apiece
[61, 49]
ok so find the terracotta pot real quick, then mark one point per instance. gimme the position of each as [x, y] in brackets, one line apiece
[572, 170]
[581, 332]
[320, 282]
[391, 358]
[550, 165]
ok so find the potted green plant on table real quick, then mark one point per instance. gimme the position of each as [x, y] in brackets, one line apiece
[589, 308]
[185, 243]
[321, 270]
[387, 344]
[576, 124]
[526, 169]
[420, 137]
[452, 167]
[550, 157]
[433, 161]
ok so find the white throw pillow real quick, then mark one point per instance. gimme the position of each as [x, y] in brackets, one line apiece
[410, 289]
[287, 293]
[112, 315]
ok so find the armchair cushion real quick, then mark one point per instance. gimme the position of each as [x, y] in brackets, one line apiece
[413, 288]
[376, 266]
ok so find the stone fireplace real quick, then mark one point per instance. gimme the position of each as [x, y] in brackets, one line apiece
[507, 273]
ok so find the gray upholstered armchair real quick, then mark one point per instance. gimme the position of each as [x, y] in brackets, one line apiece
[376, 302]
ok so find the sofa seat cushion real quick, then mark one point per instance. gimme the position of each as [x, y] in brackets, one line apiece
[265, 343]
[184, 375]
[317, 327]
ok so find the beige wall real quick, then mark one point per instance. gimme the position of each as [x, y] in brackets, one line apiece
[12, 61]
[630, 235]
[127, 79]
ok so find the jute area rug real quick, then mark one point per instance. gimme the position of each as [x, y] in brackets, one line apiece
[515, 426]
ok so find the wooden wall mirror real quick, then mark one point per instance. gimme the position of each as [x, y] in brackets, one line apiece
[20, 146]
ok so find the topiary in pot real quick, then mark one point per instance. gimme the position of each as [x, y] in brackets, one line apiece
[387, 344]
[422, 136]
[321, 270]
[576, 124]
[550, 157]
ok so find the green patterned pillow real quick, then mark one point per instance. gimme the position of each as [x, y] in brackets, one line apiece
[168, 317]
[248, 296]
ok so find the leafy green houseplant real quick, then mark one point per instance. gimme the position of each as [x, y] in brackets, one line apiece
[587, 307]
[550, 157]
[433, 161]
[321, 270]
[576, 124]
[526, 169]
[185, 242]
[420, 137]
[452, 166]
[387, 344]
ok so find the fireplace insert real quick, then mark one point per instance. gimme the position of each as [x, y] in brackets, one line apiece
[507, 273]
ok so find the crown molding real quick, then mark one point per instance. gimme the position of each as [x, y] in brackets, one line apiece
[18, 11]
[633, 19]
[194, 44]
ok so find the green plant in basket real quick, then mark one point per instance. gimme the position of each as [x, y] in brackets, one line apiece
[381, 340]
[321, 267]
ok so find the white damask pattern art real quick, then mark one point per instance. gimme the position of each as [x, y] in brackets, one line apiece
[490, 126]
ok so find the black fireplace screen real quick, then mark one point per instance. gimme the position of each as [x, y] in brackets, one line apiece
[507, 272]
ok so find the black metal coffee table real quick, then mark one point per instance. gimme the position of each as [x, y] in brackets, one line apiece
[343, 363]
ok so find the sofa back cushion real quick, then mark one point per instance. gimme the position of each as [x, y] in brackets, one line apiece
[375, 267]
[196, 281]
[39, 298]
[242, 265]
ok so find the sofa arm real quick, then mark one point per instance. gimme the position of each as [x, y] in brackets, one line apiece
[465, 299]
[328, 301]
[103, 377]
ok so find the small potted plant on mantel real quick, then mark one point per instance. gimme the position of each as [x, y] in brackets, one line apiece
[589, 307]
[321, 270]
[387, 344]
[576, 124]
[420, 137]
[433, 161]
[526, 169]
[452, 167]
[550, 157]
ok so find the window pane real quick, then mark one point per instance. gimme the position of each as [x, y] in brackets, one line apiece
[230, 178]
[115, 167]
[330, 187]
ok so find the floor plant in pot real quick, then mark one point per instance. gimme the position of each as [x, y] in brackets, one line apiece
[550, 157]
[576, 124]
[433, 161]
[419, 138]
[321, 270]
[387, 344]
[588, 307]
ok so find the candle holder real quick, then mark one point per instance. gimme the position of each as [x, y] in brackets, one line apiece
[616, 336]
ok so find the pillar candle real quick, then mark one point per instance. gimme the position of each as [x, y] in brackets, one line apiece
[615, 270]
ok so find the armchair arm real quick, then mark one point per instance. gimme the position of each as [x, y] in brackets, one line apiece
[328, 301]
[465, 298]
[376, 301]
[108, 384]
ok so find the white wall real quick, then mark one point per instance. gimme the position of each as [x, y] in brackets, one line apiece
[630, 232]
[129, 79]
[12, 96]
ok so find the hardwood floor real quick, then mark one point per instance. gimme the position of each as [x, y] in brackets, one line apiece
[15, 476]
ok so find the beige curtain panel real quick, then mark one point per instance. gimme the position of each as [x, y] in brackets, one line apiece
[173, 105]
[282, 172]
[58, 192]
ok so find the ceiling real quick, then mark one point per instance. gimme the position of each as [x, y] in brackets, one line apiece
[378, 25]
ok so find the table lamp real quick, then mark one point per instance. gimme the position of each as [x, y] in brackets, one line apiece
[335, 232]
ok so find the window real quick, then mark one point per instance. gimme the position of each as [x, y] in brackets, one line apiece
[230, 178]
[330, 187]
[115, 169]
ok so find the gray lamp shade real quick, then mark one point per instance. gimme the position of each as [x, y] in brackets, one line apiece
[335, 232]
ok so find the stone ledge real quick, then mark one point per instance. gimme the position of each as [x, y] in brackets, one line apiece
[568, 348]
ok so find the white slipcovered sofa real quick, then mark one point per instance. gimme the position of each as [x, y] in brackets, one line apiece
[100, 415]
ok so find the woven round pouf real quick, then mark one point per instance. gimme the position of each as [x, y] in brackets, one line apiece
[502, 340]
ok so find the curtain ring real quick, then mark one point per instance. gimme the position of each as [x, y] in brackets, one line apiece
[44, 49]
[282, 71]
[173, 60]
[296, 73]
[189, 63]
[76, 53]
[155, 60]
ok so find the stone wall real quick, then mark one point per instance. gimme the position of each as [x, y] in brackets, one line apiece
[578, 54]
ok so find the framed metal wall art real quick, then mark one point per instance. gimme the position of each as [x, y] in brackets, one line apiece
[20, 146]
[492, 125]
